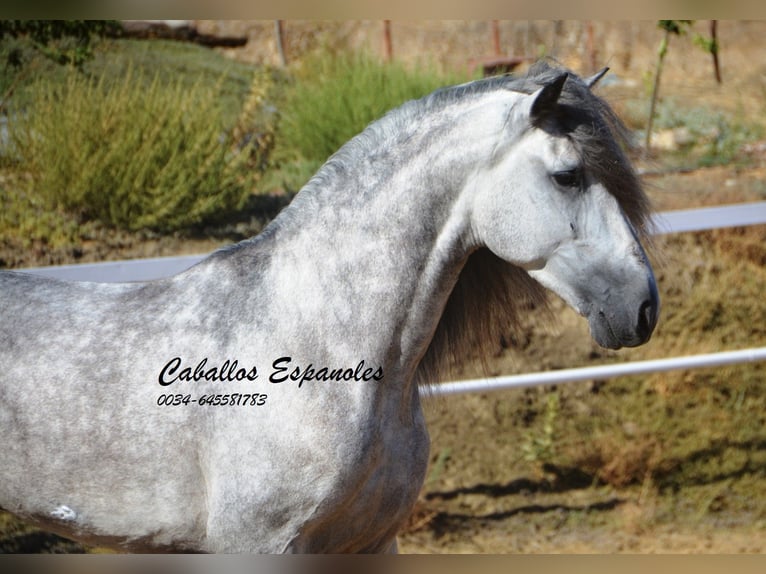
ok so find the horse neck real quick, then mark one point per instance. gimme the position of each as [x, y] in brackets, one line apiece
[369, 251]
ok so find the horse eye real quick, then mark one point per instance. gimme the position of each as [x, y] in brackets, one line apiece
[571, 178]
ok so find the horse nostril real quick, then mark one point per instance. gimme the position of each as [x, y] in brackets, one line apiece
[646, 320]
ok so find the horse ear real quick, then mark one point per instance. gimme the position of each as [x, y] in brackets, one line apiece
[594, 79]
[546, 98]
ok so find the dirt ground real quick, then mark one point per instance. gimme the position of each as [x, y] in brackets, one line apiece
[482, 494]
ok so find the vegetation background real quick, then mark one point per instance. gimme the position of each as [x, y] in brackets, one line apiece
[154, 147]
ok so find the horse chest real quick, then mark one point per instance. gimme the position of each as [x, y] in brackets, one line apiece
[344, 483]
[372, 492]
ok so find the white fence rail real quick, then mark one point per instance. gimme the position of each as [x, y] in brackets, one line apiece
[667, 222]
[120, 271]
[598, 373]
[702, 218]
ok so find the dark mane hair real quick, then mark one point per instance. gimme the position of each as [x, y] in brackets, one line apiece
[491, 294]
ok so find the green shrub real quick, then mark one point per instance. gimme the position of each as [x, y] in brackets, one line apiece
[539, 444]
[25, 221]
[140, 153]
[66, 42]
[713, 137]
[334, 97]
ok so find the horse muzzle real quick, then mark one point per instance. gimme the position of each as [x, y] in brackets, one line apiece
[628, 324]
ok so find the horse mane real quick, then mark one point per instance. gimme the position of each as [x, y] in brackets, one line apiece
[491, 295]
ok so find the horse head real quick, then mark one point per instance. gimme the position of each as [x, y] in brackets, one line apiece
[562, 202]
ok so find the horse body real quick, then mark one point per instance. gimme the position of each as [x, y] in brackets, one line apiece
[351, 282]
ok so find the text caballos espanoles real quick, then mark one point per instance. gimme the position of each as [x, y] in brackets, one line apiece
[282, 370]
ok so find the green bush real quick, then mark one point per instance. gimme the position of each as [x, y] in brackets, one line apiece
[140, 153]
[66, 42]
[713, 137]
[333, 97]
[25, 222]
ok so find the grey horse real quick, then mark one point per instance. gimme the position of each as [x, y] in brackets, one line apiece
[266, 399]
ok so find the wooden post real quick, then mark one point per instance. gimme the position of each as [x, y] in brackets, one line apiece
[496, 37]
[661, 53]
[279, 31]
[590, 42]
[387, 48]
[525, 49]
[714, 49]
[558, 28]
